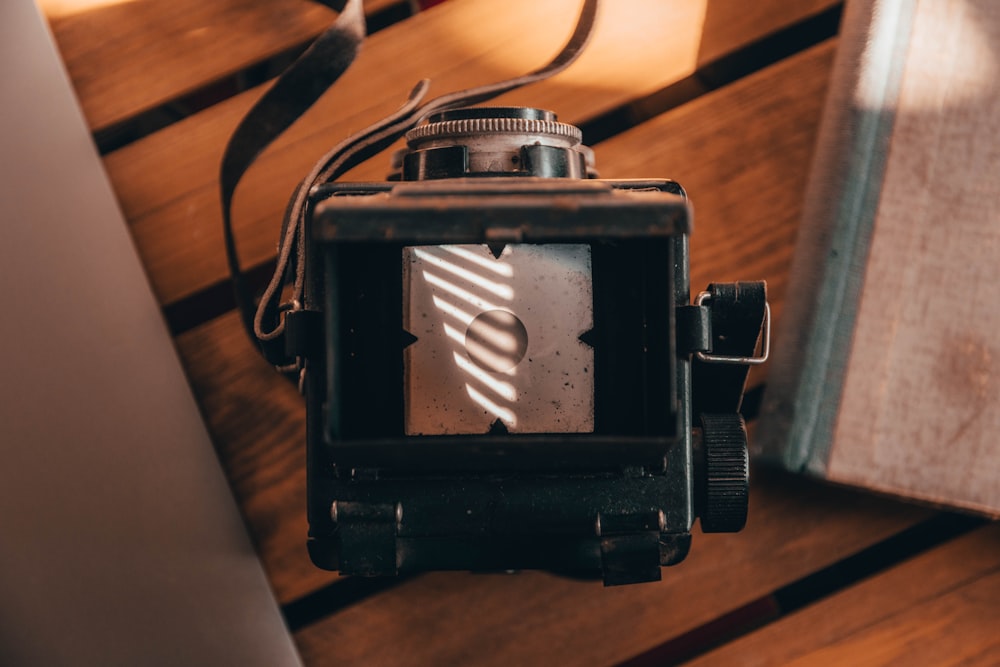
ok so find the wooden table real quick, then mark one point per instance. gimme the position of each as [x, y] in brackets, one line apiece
[723, 96]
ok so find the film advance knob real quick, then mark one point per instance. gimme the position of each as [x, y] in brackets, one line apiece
[726, 473]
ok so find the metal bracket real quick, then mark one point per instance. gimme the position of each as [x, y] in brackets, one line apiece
[694, 329]
[765, 349]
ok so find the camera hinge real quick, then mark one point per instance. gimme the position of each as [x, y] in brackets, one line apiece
[694, 329]
[367, 537]
[630, 547]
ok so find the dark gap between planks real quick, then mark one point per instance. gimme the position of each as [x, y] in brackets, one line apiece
[217, 299]
[810, 589]
[715, 74]
[347, 591]
[334, 597]
[121, 134]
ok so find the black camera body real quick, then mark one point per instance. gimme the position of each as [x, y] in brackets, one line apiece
[502, 365]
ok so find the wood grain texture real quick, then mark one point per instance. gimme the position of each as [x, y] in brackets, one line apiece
[257, 422]
[128, 57]
[742, 154]
[939, 608]
[959, 628]
[532, 618]
[921, 399]
[167, 182]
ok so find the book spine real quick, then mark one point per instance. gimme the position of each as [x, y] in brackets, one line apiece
[814, 339]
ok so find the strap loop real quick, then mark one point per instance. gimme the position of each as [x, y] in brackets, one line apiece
[738, 312]
[753, 360]
[295, 91]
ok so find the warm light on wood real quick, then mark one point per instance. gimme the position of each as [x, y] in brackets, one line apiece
[57, 9]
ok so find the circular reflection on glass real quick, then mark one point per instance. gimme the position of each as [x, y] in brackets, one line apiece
[496, 341]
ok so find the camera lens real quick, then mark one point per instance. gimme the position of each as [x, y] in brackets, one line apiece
[495, 141]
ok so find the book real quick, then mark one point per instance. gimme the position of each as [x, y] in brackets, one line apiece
[886, 365]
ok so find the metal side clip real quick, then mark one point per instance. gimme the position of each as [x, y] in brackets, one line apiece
[765, 345]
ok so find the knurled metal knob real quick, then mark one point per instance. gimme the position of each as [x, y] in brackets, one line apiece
[494, 142]
[726, 473]
[491, 122]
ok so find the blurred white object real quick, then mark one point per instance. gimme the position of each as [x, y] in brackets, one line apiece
[122, 544]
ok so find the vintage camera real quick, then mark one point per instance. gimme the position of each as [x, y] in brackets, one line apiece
[503, 368]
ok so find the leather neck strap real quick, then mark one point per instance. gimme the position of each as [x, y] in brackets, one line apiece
[293, 93]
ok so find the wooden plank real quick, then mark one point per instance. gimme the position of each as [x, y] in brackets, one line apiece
[743, 155]
[938, 608]
[257, 422]
[958, 628]
[167, 182]
[455, 618]
[127, 57]
[942, 607]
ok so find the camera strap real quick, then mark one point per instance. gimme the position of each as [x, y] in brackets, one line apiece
[295, 91]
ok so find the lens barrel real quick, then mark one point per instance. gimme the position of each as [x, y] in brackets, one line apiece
[494, 141]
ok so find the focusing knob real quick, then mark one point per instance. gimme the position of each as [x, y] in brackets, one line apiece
[495, 141]
[726, 473]
[491, 123]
